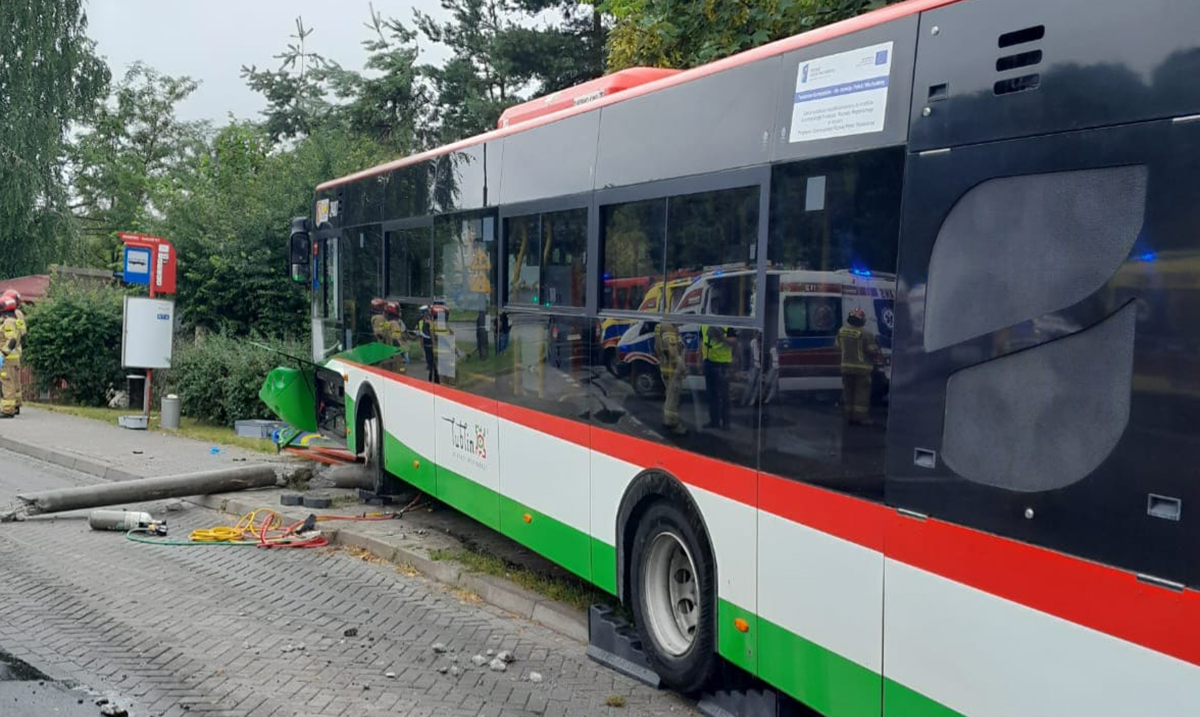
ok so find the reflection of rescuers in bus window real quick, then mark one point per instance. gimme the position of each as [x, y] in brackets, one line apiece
[11, 334]
[379, 327]
[859, 353]
[716, 348]
[426, 329]
[668, 349]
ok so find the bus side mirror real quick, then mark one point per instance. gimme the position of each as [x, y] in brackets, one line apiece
[300, 249]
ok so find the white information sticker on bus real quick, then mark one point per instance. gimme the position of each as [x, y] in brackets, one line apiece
[841, 95]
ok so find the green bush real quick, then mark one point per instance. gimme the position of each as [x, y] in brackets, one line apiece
[217, 377]
[74, 341]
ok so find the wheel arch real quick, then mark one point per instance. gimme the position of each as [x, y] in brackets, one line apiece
[647, 487]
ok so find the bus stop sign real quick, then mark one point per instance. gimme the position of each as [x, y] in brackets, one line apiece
[150, 261]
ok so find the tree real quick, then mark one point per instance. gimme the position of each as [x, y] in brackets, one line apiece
[125, 159]
[295, 98]
[49, 77]
[686, 33]
[500, 59]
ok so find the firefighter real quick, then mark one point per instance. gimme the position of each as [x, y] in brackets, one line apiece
[716, 348]
[21, 329]
[395, 324]
[859, 353]
[668, 349]
[10, 356]
[379, 324]
[426, 329]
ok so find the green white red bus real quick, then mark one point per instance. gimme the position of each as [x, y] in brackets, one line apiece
[1014, 530]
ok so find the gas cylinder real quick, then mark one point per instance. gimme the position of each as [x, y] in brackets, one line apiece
[119, 520]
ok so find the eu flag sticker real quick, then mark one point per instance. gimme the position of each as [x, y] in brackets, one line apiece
[881, 57]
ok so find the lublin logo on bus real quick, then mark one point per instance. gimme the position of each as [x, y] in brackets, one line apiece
[471, 442]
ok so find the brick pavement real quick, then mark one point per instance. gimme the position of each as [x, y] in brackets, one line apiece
[206, 630]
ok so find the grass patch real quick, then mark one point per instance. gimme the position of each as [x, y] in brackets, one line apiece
[188, 427]
[572, 591]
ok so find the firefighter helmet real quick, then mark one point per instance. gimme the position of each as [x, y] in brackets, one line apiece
[377, 306]
[858, 314]
[8, 303]
[16, 295]
[393, 308]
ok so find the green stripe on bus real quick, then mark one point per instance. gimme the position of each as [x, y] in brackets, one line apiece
[408, 465]
[478, 501]
[900, 700]
[555, 540]
[818, 677]
[733, 644]
[351, 444]
[604, 566]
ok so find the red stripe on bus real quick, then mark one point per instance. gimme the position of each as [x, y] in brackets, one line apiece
[852, 519]
[561, 428]
[779, 47]
[725, 479]
[1096, 596]
[470, 400]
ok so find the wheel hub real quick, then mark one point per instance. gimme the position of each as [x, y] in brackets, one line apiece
[672, 597]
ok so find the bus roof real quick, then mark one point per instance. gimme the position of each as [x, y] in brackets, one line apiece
[779, 47]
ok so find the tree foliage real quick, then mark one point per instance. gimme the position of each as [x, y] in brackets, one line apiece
[128, 157]
[49, 77]
[686, 33]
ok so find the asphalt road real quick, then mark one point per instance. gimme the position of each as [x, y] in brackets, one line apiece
[250, 632]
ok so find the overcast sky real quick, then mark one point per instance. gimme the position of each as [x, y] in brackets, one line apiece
[210, 40]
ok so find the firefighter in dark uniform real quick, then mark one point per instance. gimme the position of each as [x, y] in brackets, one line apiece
[859, 352]
[426, 329]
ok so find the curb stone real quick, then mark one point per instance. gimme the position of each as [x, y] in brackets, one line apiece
[507, 596]
[68, 460]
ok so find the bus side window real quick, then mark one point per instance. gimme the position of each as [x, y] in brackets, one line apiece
[832, 241]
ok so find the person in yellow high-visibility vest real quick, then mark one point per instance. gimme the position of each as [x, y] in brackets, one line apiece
[716, 348]
[10, 357]
[859, 352]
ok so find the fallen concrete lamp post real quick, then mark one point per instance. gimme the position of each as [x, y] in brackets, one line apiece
[225, 480]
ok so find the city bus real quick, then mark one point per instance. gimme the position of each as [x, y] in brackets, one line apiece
[1014, 531]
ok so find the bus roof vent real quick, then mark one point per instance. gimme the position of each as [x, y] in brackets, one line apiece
[589, 91]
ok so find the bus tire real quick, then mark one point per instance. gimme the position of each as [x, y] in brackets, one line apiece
[371, 431]
[673, 582]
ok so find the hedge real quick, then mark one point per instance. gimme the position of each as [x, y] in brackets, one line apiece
[74, 342]
[217, 377]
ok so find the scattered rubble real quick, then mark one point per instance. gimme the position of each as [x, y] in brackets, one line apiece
[173, 506]
[506, 656]
[479, 660]
[535, 677]
[350, 632]
[439, 647]
[443, 669]
[455, 671]
[497, 665]
[390, 675]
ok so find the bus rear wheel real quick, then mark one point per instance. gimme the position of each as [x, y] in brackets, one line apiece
[674, 603]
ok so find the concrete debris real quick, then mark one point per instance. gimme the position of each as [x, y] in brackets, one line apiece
[443, 669]
[355, 475]
[455, 671]
[497, 665]
[439, 647]
[535, 677]
[506, 656]
[490, 652]
[479, 660]
[111, 710]
[454, 658]
[350, 632]
[173, 506]
[390, 675]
